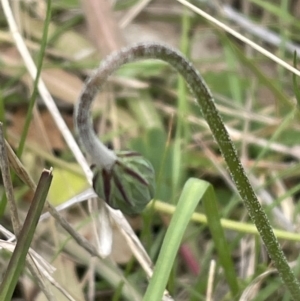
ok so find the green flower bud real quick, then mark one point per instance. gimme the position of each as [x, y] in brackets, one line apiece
[129, 185]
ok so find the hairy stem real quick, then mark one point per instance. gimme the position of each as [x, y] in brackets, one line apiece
[206, 102]
[100, 155]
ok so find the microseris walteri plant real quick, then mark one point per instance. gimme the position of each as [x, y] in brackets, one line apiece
[106, 160]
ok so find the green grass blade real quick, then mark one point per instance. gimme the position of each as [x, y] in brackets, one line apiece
[18, 257]
[276, 10]
[193, 191]
[182, 129]
[296, 89]
[234, 81]
[216, 229]
[282, 98]
[226, 223]
[36, 81]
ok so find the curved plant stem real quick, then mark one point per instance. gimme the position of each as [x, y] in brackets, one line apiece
[206, 102]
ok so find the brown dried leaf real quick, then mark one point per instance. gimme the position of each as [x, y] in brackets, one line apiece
[34, 135]
[103, 26]
[66, 276]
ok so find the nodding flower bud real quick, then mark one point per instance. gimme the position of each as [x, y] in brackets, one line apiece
[129, 185]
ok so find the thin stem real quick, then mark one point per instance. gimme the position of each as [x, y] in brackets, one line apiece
[36, 81]
[206, 102]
